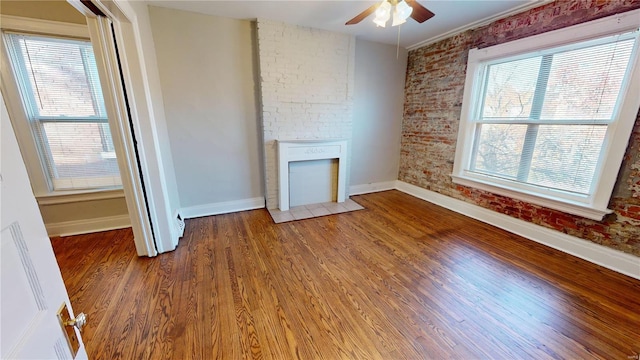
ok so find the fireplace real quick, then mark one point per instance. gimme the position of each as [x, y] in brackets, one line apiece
[306, 150]
[307, 94]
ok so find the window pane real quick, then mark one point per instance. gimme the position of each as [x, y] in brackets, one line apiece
[60, 88]
[565, 156]
[584, 83]
[510, 88]
[62, 75]
[581, 85]
[499, 149]
[80, 150]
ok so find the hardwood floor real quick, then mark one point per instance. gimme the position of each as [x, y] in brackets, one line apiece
[402, 279]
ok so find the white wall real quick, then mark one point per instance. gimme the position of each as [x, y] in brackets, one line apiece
[206, 66]
[377, 112]
[209, 87]
[54, 10]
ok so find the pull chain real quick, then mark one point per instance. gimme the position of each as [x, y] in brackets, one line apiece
[398, 47]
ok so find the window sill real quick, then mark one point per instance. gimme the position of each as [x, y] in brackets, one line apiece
[65, 197]
[564, 205]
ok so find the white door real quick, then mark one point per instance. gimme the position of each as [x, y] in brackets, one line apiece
[32, 290]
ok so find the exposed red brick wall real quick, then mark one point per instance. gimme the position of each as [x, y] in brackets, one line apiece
[553, 16]
[433, 100]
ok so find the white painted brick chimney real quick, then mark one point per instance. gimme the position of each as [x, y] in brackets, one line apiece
[306, 83]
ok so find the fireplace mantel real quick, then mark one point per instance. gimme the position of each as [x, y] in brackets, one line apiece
[304, 150]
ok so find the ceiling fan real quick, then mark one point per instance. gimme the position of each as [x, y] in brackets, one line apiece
[403, 9]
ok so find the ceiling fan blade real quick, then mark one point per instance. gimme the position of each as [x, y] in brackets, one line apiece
[363, 14]
[419, 13]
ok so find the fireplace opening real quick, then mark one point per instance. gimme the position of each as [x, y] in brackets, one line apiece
[313, 182]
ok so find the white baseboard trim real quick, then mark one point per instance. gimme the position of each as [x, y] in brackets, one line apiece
[222, 207]
[612, 259]
[372, 187]
[87, 226]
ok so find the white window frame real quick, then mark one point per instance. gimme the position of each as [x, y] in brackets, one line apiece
[593, 206]
[29, 145]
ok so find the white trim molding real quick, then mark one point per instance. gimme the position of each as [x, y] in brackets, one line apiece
[87, 226]
[225, 207]
[372, 187]
[611, 259]
[601, 255]
[74, 197]
[39, 26]
[139, 74]
[304, 150]
[567, 206]
[116, 105]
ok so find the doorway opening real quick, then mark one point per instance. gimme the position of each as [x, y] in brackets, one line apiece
[68, 135]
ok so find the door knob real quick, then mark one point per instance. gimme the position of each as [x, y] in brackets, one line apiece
[68, 323]
[79, 321]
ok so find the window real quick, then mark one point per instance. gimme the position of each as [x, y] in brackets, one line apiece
[547, 119]
[58, 83]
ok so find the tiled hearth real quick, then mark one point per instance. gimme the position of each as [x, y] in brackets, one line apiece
[313, 210]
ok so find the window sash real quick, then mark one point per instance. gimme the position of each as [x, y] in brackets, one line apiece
[22, 74]
[593, 206]
[530, 171]
[543, 76]
[75, 182]
[38, 122]
[533, 121]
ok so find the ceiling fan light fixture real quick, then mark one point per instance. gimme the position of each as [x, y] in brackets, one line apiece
[379, 22]
[402, 12]
[397, 20]
[383, 13]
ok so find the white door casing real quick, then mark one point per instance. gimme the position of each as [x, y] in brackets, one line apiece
[31, 285]
[132, 34]
[116, 106]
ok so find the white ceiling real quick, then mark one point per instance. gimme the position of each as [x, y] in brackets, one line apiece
[451, 15]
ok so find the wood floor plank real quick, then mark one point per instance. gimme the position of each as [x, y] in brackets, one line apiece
[289, 314]
[277, 327]
[402, 279]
